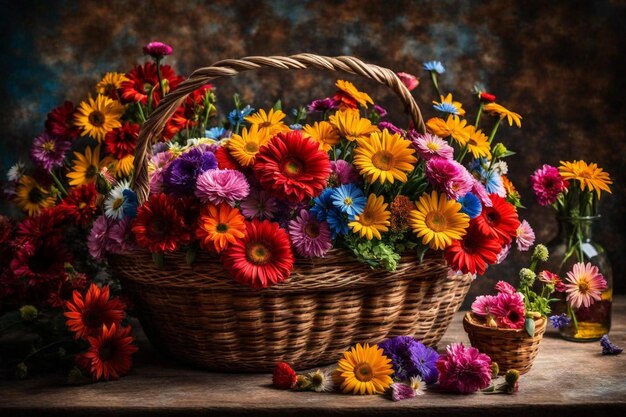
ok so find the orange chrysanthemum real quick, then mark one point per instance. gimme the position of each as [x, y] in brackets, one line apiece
[218, 226]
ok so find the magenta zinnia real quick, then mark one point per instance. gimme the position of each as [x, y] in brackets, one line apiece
[508, 310]
[310, 237]
[463, 369]
[449, 176]
[547, 184]
[584, 285]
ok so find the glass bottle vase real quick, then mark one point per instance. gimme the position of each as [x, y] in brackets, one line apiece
[574, 243]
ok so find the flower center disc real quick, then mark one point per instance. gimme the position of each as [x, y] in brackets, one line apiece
[492, 216]
[91, 172]
[258, 253]
[383, 160]
[436, 221]
[48, 146]
[96, 118]
[583, 287]
[117, 203]
[432, 146]
[35, 195]
[366, 218]
[363, 372]
[252, 147]
[106, 352]
[265, 124]
[293, 167]
[221, 228]
[312, 229]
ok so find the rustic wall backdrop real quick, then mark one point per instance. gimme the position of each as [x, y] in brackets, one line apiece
[559, 64]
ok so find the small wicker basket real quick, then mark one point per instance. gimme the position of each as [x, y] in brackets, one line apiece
[509, 348]
[200, 315]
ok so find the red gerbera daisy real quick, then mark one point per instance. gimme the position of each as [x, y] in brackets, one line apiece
[499, 221]
[121, 141]
[60, 122]
[110, 352]
[143, 78]
[473, 252]
[225, 160]
[292, 167]
[86, 316]
[80, 203]
[262, 258]
[159, 227]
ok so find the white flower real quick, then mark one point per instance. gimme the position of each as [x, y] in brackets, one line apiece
[320, 381]
[16, 172]
[418, 385]
[501, 167]
[114, 203]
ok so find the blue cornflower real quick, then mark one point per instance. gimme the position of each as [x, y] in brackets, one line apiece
[238, 116]
[493, 183]
[349, 199]
[560, 321]
[296, 126]
[436, 66]
[216, 133]
[446, 108]
[321, 204]
[470, 205]
[609, 348]
[337, 222]
[130, 204]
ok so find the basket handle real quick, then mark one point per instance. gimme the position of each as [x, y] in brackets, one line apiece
[152, 128]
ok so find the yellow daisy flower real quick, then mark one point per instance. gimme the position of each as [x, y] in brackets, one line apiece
[98, 117]
[31, 197]
[448, 99]
[323, 133]
[502, 112]
[589, 176]
[85, 167]
[384, 157]
[373, 220]
[269, 122]
[348, 88]
[244, 147]
[351, 126]
[364, 370]
[438, 221]
[453, 126]
[478, 144]
[124, 167]
[110, 83]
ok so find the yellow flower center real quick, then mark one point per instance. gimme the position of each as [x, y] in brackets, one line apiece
[312, 229]
[366, 218]
[347, 201]
[258, 253]
[383, 160]
[432, 146]
[48, 146]
[363, 372]
[436, 221]
[96, 118]
[251, 147]
[583, 287]
[117, 203]
[221, 228]
[265, 124]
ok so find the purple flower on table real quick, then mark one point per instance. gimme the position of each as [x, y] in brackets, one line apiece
[609, 348]
[157, 50]
[222, 186]
[411, 358]
[49, 151]
[560, 321]
[181, 174]
[463, 369]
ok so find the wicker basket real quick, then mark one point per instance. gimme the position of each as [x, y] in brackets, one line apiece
[510, 348]
[200, 315]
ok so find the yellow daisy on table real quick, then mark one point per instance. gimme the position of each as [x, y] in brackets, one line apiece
[244, 147]
[351, 125]
[438, 221]
[384, 157]
[478, 144]
[85, 167]
[98, 117]
[590, 176]
[110, 83]
[364, 369]
[350, 90]
[450, 101]
[323, 133]
[453, 126]
[270, 122]
[31, 197]
[502, 112]
[373, 219]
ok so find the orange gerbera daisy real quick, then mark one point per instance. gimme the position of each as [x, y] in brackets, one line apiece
[589, 176]
[323, 133]
[348, 95]
[453, 126]
[86, 316]
[110, 352]
[218, 226]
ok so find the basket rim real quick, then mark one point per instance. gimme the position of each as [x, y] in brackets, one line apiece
[468, 319]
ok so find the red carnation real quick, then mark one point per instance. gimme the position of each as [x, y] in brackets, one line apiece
[60, 121]
[489, 98]
[121, 141]
[284, 377]
[499, 221]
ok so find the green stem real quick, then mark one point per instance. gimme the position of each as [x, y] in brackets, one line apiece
[494, 130]
[480, 112]
[58, 183]
[141, 113]
[34, 352]
[158, 65]
[462, 154]
[433, 77]
[572, 315]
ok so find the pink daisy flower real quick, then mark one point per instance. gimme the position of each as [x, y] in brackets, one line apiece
[49, 151]
[505, 287]
[449, 176]
[431, 146]
[463, 369]
[344, 172]
[584, 285]
[509, 311]
[483, 304]
[525, 236]
[259, 204]
[547, 184]
[551, 278]
[310, 237]
[219, 186]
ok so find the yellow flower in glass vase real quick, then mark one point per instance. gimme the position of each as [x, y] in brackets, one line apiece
[589, 176]
[364, 370]
[384, 157]
[85, 167]
[502, 112]
[351, 125]
[438, 221]
[478, 144]
[323, 133]
[269, 122]
[31, 197]
[110, 83]
[373, 219]
[244, 147]
[98, 117]
[453, 126]
[450, 101]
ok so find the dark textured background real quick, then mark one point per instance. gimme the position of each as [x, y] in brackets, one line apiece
[559, 64]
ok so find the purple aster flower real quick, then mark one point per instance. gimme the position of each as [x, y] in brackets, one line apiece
[560, 321]
[345, 172]
[309, 237]
[157, 50]
[259, 204]
[381, 111]
[400, 391]
[390, 127]
[222, 186]
[430, 146]
[181, 174]
[449, 176]
[411, 358]
[49, 151]
[286, 211]
[609, 348]
[323, 105]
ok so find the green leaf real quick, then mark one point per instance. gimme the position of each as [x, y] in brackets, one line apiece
[278, 105]
[529, 326]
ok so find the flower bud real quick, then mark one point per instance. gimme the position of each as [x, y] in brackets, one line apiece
[541, 253]
[495, 370]
[498, 150]
[527, 277]
[489, 98]
[157, 50]
[302, 383]
[511, 376]
[28, 313]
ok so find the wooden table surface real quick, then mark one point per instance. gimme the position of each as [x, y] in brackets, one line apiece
[567, 379]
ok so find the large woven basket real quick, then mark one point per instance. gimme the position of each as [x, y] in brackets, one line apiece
[200, 315]
[509, 348]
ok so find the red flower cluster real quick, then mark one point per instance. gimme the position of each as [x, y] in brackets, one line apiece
[60, 122]
[159, 225]
[143, 82]
[121, 141]
[80, 204]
